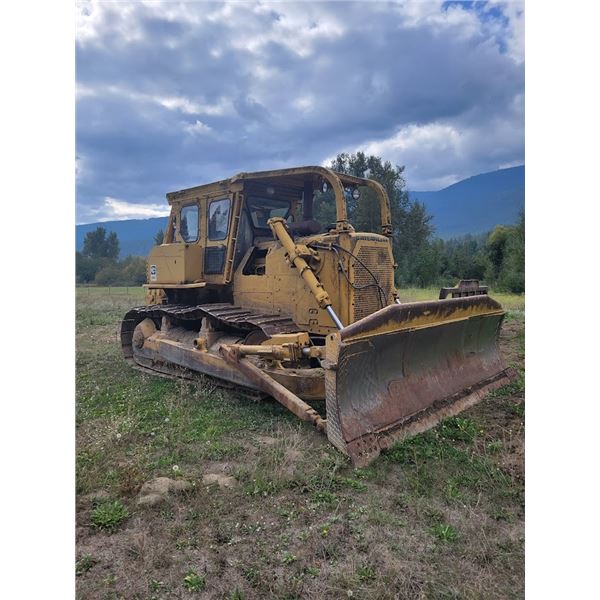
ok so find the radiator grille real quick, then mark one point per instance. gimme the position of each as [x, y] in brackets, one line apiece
[369, 299]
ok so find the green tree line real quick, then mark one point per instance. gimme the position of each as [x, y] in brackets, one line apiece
[98, 262]
[496, 258]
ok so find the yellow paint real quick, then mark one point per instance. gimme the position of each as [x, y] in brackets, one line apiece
[175, 264]
[433, 318]
[299, 276]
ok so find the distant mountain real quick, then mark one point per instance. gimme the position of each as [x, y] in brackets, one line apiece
[136, 236]
[477, 204]
[473, 205]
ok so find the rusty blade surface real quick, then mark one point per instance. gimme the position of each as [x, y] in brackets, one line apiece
[404, 368]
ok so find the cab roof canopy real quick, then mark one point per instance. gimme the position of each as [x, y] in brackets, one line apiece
[297, 177]
[293, 177]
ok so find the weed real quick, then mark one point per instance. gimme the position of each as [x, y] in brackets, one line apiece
[194, 582]
[108, 515]
[303, 536]
[331, 552]
[445, 533]
[289, 513]
[325, 498]
[221, 535]
[252, 575]
[366, 473]
[236, 595]
[377, 516]
[219, 450]
[187, 543]
[502, 514]
[518, 409]
[514, 388]
[84, 564]
[494, 447]
[355, 484]
[365, 573]
[410, 451]
[193, 515]
[312, 571]
[357, 512]
[458, 429]
[434, 515]
[288, 558]
[167, 514]
[453, 492]
[402, 501]
[156, 586]
[260, 487]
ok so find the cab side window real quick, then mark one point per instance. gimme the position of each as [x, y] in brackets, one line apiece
[189, 223]
[218, 219]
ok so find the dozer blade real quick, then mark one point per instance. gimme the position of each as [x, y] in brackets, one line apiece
[406, 367]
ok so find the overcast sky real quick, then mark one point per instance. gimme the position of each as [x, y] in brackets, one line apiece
[171, 95]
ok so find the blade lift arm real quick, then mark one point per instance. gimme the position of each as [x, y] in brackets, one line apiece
[296, 254]
[235, 354]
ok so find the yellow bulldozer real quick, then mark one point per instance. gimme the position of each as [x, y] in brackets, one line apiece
[248, 287]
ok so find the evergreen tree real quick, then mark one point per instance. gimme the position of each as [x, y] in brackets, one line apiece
[159, 237]
[98, 245]
[512, 271]
[412, 228]
[496, 248]
[100, 251]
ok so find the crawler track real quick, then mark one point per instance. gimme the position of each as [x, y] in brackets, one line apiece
[230, 317]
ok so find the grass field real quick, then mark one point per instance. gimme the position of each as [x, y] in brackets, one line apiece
[440, 516]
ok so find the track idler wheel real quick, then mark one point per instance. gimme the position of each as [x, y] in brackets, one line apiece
[143, 330]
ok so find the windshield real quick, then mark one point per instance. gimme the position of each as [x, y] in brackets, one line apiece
[263, 209]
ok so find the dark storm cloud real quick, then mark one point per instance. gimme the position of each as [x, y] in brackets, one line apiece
[172, 95]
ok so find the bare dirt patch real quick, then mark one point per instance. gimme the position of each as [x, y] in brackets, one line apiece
[224, 481]
[160, 490]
